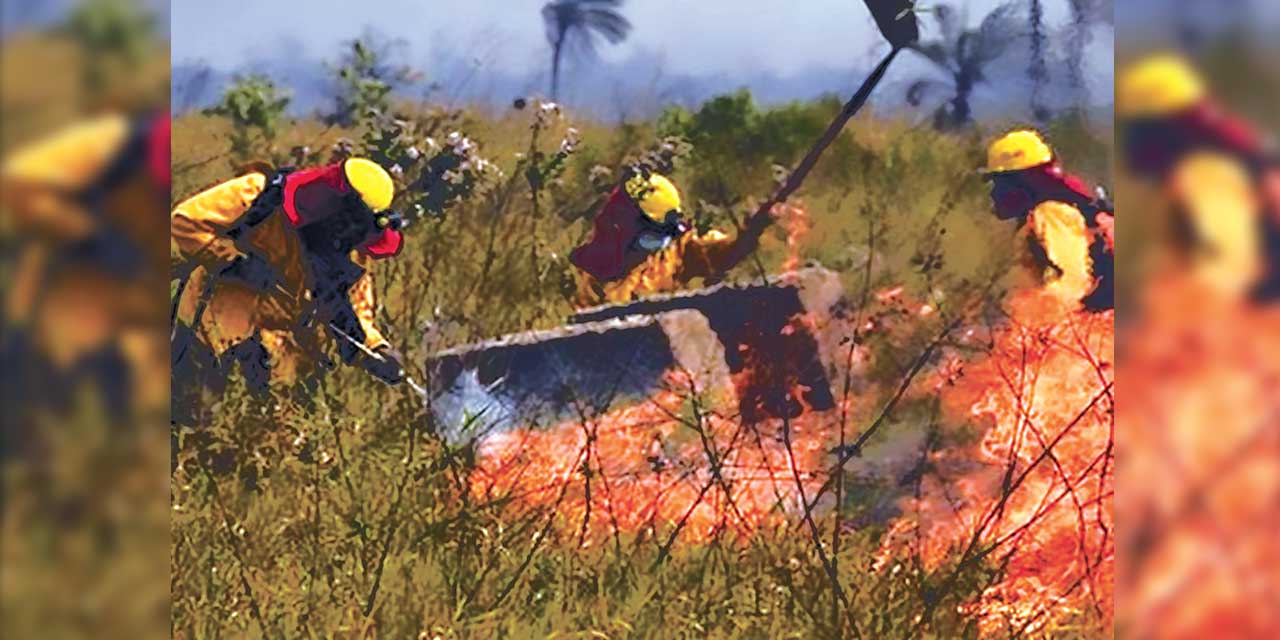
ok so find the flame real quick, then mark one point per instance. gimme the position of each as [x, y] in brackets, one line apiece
[797, 223]
[1200, 464]
[669, 462]
[768, 383]
[1037, 486]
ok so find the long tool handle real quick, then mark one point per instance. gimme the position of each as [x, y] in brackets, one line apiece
[417, 388]
[756, 224]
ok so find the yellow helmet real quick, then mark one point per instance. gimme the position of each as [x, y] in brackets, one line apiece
[656, 195]
[371, 181]
[1018, 150]
[1158, 85]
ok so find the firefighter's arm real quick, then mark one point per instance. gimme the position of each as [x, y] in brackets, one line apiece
[1060, 228]
[40, 211]
[199, 223]
[42, 181]
[365, 305]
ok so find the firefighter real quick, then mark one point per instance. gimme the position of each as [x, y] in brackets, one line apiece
[1070, 227]
[1218, 172]
[278, 270]
[642, 244]
[87, 224]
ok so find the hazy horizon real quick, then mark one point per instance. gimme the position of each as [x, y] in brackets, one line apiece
[677, 53]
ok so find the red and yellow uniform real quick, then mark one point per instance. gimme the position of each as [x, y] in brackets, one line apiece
[690, 256]
[1071, 236]
[640, 246]
[86, 210]
[1216, 171]
[234, 310]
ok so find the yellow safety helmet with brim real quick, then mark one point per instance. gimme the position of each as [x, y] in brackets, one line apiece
[1157, 86]
[371, 181]
[655, 195]
[1016, 151]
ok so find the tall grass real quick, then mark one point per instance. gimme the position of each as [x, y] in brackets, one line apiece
[344, 516]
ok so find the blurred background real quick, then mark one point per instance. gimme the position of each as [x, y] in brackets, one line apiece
[1199, 416]
[83, 222]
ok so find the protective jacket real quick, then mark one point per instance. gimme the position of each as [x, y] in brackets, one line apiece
[1221, 173]
[611, 268]
[86, 212]
[316, 277]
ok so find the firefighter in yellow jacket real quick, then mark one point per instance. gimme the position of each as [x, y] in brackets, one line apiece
[1219, 174]
[278, 269]
[86, 210]
[1070, 228]
[642, 244]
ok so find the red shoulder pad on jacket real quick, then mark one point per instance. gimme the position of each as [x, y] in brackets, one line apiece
[615, 227]
[314, 194]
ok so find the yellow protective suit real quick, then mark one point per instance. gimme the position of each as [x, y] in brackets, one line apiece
[690, 256]
[70, 303]
[1220, 206]
[235, 311]
[1059, 231]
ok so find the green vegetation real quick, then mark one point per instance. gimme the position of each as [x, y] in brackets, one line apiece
[343, 516]
[253, 104]
[346, 517]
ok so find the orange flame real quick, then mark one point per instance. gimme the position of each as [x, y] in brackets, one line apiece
[668, 462]
[1036, 490]
[1200, 465]
[797, 223]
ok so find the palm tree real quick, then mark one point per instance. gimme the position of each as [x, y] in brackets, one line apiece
[963, 54]
[1084, 15]
[577, 25]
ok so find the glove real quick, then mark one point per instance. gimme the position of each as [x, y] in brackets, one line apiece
[387, 369]
[251, 270]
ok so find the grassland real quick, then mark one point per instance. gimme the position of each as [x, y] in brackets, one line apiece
[346, 518]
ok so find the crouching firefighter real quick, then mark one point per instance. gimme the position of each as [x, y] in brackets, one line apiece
[1070, 227]
[642, 244]
[269, 291]
[83, 244]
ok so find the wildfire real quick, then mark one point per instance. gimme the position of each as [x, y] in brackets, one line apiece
[1034, 494]
[1031, 494]
[1200, 465]
[666, 463]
